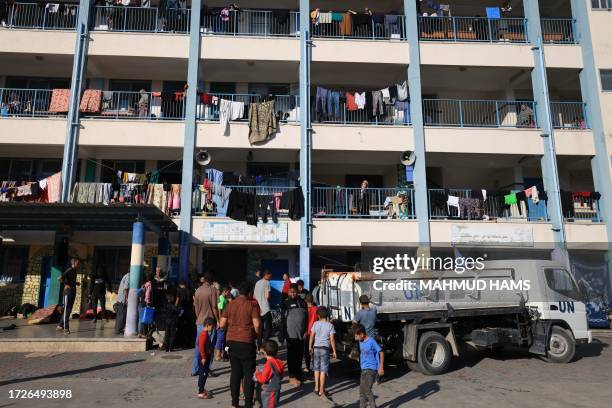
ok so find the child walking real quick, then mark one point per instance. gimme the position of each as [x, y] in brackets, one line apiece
[271, 376]
[224, 299]
[372, 361]
[321, 342]
[206, 342]
[311, 309]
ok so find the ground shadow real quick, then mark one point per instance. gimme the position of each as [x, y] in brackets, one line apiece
[593, 349]
[422, 391]
[70, 372]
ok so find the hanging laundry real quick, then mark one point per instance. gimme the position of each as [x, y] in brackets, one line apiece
[263, 122]
[293, 200]
[351, 104]
[59, 101]
[402, 91]
[54, 187]
[229, 110]
[325, 18]
[453, 201]
[91, 101]
[346, 28]
[360, 100]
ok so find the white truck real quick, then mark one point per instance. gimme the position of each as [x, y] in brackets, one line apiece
[533, 304]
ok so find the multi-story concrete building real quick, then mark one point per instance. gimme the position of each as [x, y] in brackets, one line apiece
[501, 96]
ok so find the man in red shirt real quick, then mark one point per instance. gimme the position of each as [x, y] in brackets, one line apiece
[241, 322]
[312, 318]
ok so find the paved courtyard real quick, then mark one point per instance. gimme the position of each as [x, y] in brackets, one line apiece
[509, 379]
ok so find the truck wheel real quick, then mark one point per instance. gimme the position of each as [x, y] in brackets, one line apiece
[561, 346]
[413, 366]
[434, 353]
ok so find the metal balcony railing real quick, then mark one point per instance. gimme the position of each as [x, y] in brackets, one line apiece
[286, 106]
[569, 115]
[142, 19]
[26, 102]
[263, 23]
[477, 29]
[45, 17]
[201, 200]
[338, 113]
[372, 203]
[490, 209]
[391, 26]
[558, 30]
[479, 113]
[140, 105]
[581, 207]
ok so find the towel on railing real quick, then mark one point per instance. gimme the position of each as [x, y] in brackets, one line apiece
[262, 121]
[91, 101]
[59, 101]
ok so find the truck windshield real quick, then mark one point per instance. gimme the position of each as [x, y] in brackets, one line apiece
[560, 281]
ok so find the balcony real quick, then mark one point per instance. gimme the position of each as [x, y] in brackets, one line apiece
[207, 205]
[370, 203]
[261, 23]
[347, 26]
[135, 105]
[473, 29]
[558, 30]
[569, 115]
[208, 108]
[335, 110]
[141, 19]
[28, 103]
[479, 113]
[473, 207]
[33, 16]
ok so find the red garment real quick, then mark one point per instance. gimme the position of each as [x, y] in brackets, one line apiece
[312, 317]
[286, 286]
[208, 187]
[351, 105]
[264, 376]
[205, 346]
[91, 100]
[206, 98]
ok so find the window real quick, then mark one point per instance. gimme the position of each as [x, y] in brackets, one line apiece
[560, 281]
[14, 264]
[606, 79]
[114, 260]
[601, 4]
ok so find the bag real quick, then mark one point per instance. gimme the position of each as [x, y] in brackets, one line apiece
[148, 315]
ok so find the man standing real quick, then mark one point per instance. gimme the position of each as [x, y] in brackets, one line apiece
[262, 295]
[69, 283]
[205, 303]
[121, 305]
[241, 323]
[366, 316]
[295, 318]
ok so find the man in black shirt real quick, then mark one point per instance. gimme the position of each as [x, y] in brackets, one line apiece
[69, 283]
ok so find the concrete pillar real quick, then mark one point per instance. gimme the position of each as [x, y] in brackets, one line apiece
[58, 264]
[306, 138]
[189, 139]
[136, 267]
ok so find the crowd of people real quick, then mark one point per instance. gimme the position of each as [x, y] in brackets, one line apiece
[235, 324]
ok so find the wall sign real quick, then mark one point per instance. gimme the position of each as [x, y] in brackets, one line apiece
[500, 236]
[239, 231]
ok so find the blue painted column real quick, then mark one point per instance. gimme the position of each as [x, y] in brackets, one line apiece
[136, 266]
[550, 173]
[79, 65]
[416, 114]
[600, 163]
[185, 231]
[306, 139]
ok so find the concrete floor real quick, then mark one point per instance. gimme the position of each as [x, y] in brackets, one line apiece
[78, 329]
[509, 379]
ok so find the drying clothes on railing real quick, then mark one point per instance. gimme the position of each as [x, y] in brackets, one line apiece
[59, 101]
[263, 122]
[241, 207]
[293, 200]
[215, 176]
[164, 196]
[229, 110]
[580, 205]
[91, 101]
[136, 178]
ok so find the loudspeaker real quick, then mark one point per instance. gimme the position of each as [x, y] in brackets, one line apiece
[203, 158]
[407, 158]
